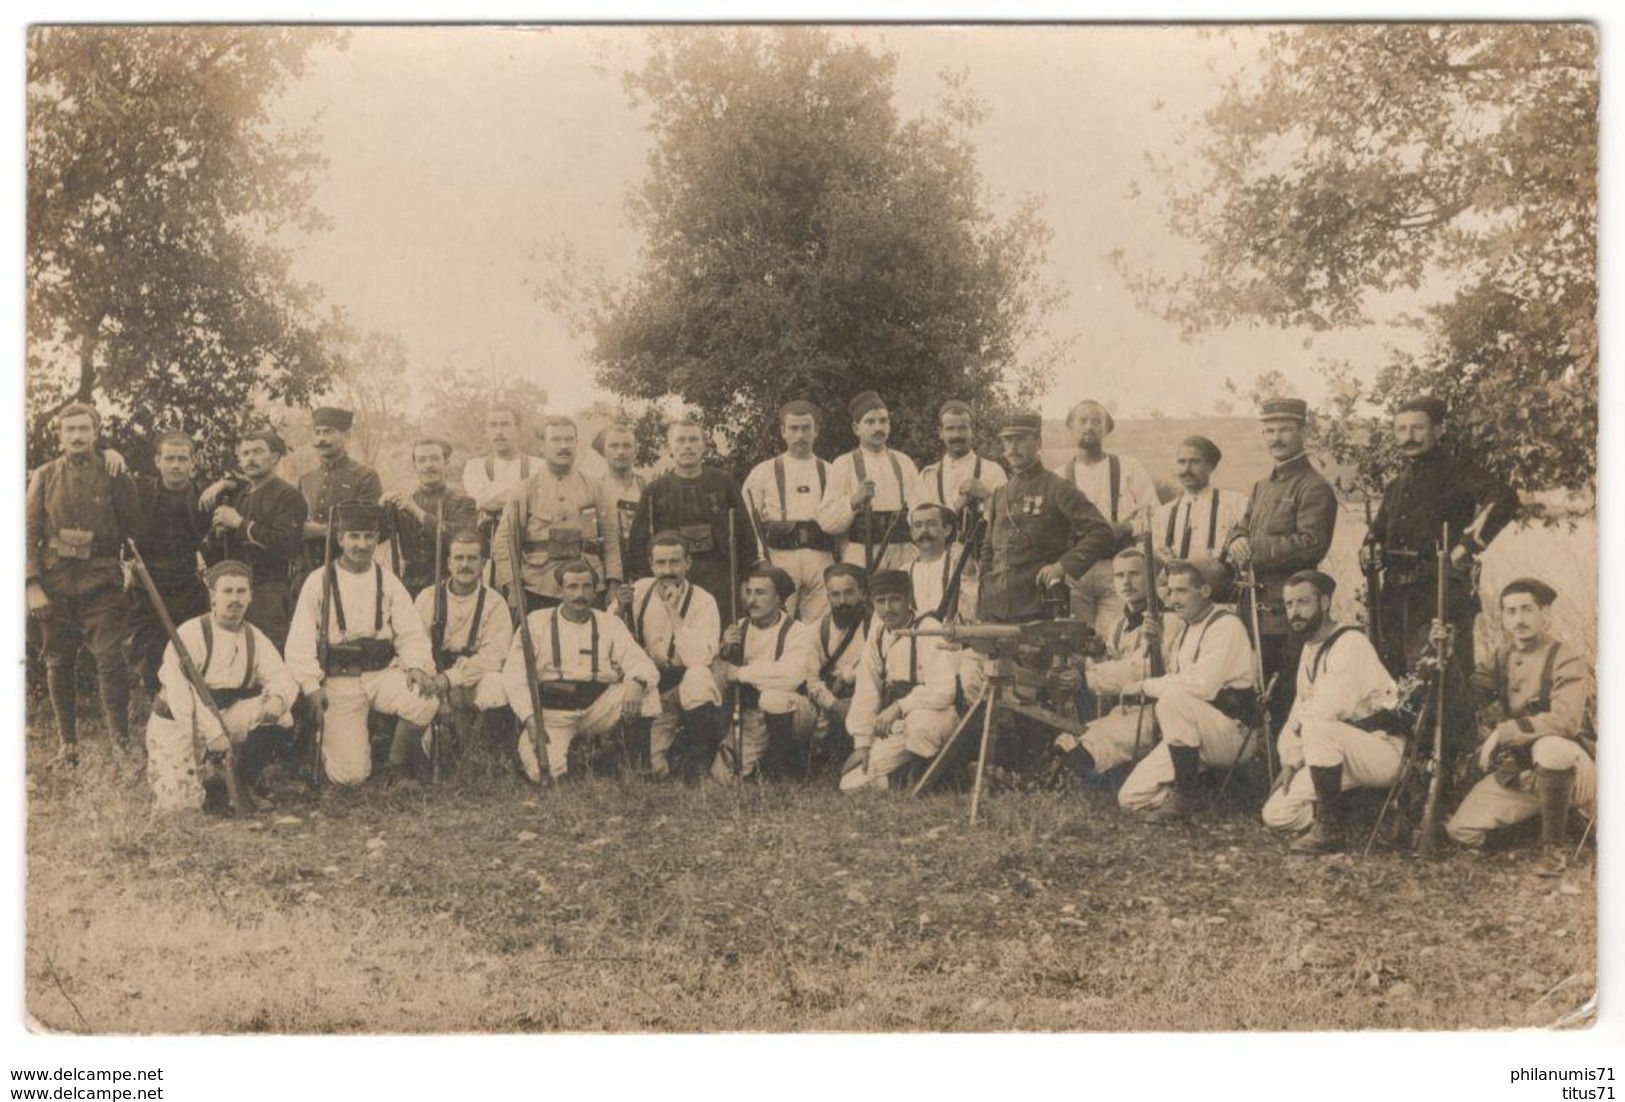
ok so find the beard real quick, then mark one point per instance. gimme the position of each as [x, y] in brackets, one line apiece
[846, 616]
[1308, 626]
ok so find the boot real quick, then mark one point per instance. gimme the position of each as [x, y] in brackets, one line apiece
[1554, 790]
[705, 731]
[1327, 834]
[1079, 761]
[781, 745]
[908, 771]
[113, 679]
[1187, 766]
[64, 693]
[253, 756]
[636, 733]
[405, 754]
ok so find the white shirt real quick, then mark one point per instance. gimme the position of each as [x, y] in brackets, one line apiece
[886, 658]
[619, 658]
[1135, 490]
[490, 647]
[790, 669]
[835, 514]
[506, 475]
[1126, 656]
[670, 636]
[801, 487]
[1346, 682]
[1199, 528]
[1211, 654]
[227, 667]
[943, 478]
[357, 595]
[827, 637]
[931, 579]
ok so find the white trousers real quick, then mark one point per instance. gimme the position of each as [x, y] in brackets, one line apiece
[806, 568]
[1491, 804]
[922, 732]
[1370, 759]
[172, 761]
[346, 752]
[754, 723]
[1094, 597]
[1111, 739]
[560, 728]
[698, 687]
[1185, 721]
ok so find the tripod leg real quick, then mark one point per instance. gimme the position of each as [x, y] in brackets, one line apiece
[990, 705]
[936, 765]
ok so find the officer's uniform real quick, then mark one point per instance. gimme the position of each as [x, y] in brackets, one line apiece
[469, 635]
[683, 642]
[916, 673]
[785, 493]
[1125, 732]
[270, 540]
[415, 539]
[1342, 688]
[583, 670]
[1033, 520]
[1121, 489]
[1548, 692]
[1200, 703]
[776, 666]
[943, 478]
[561, 518]
[374, 635]
[247, 679]
[332, 483]
[175, 531]
[78, 518]
[897, 488]
[696, 508]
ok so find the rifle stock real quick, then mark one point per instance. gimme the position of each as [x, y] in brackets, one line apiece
[318, 729]
[527, 645]
[948, 607]
[1428, 844]
[241, 802]
[736, 719]
[1155, 664]
[437, 633]
[1373, 583]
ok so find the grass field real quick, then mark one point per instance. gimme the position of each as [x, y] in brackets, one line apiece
[484, 905]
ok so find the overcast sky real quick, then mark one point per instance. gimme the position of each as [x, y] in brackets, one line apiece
[452, 152]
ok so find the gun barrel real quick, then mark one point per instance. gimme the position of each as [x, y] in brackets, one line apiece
[969, 631]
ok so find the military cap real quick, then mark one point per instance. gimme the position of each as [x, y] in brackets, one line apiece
[1425, 403]
[863, 403]
[357, 516]
[1543, 594]
[798, 407]
[1208, 449]
[465, 535]
[783, 584]
[226, 568]
[1111, 422]
[271, 437]
[955, 405]
[840, 569]
[1289, 409]
[1017, 424]
[331, 417]
[1323, 582]
[574, 566]
[599, 440]
[891, 581]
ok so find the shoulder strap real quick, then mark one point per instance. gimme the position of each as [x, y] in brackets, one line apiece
[897, 473]
[208, 645]
[378, 599]
[1173, 514]
[248, 656]
[784, 630]
[558, 649]
[1548, 673]
[1114, 471]
[1213, 521]
[942, 491]
[524, 465]
[857, 464]
[474, 624]
[1202, 638]
[778, 477]
[823, 476]
[491, 468]
[437, 636]
[643, 610]
[338, 601]
[976, 469]
[1325, 649]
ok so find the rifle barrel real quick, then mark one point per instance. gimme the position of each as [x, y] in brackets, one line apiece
[527, 645]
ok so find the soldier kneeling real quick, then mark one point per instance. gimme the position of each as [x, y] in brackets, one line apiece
[768, 658]
[247, 679]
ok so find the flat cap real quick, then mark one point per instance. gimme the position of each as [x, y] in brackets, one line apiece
[849, 570]
[955, 405]
[331, 417]
[895, 582]
[1425, 403]
[357, 516]
[1322, 581]
[1019, 423]
[1543, 594]
[798, 407]
[1204, 447]
[783, 584]
[1291, 409]
[226, 568]
[863, 403]
[271, 438]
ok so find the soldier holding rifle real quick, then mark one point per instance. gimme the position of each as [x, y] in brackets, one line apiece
[870, 491]
[839, 637]
[785, 493]
[338, 479]
[259, 519]
[961, 479]
[768, 660]
[423, 517]
[175, 532]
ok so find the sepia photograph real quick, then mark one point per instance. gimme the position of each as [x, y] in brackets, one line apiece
[811, 529]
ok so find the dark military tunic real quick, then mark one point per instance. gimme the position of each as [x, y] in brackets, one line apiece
[698, 508]
[1035, 519]
[416, 540]
[270, 541]
[176, 528]
[328, 485]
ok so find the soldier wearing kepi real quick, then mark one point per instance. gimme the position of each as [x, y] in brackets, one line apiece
[470, 634]
[1433, 488]
[593, 675]
[961, 479]
[1201, 703]
[677, 624]
[868, 488]
[1119, 487]
[694, 501]
[1539, 747]
[1198, 523]
[421, 516]
[337, 480]
[1335, 739]
[78, 517]
[903, 707]
[785, 493]
[492, 478]
[377, 652]
[1126, 731]
[563, 515]
[839, 637]
[1287, 528]
[175, 531]
[246, 678]
[768, 657]
[259, 519]
[1042, 531]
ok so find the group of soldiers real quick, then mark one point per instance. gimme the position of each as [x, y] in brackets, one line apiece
[830, 611]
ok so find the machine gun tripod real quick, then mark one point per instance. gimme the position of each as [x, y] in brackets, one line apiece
[1004, 644]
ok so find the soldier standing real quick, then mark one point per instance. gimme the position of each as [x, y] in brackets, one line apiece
[1287, 528]
[619, 447]
[785, 493]
[1198, 522]
[1119, 487]
[176, 529]
[377, 653]
[961, 479]
[492, 478]
[563, 515]
[694, 501]
[1433, 487]
[259, 519]
[78, 517]
[869, 487]
[338, 479]
[420, 517]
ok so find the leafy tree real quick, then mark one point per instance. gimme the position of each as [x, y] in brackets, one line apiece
[156, 190]
[801, 240]
[457, 401]
[1448, 163]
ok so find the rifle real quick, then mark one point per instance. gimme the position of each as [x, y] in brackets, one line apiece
[1428, 844]
[527, 646]
[885, 537]
[949, 605]
[1155, 663]
[1373, 582]
[317, 731]
[736, 721]
[241, 802]
[436, 633]
[868, 539]
[1250, 581]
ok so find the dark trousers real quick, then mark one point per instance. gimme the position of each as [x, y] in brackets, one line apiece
[271, 610]
[183, 600]
[100, 621]
[1280, 654]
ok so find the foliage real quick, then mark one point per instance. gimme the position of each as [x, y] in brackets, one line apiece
[157, 187]
[1360, 167]
[456, 403]
[801, 240]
